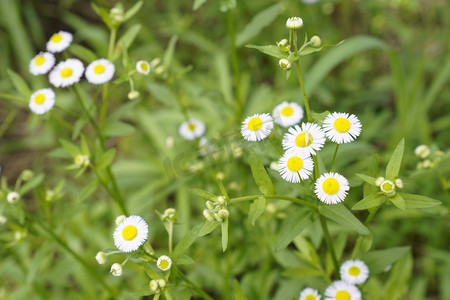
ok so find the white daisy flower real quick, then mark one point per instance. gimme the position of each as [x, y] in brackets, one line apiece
[294, 23]
[354, 271]
[257, 127]
[331, 188]
[341, 290]
[13, 197]
[143, 67]
[341, 127]
[308, 138]
[287, 114]
[309, 294]
[130, 234]
[295, 166]
[66, 73]
[191, 129]
[100, 71]
[164, 263]
[59, 41]
[41, 63]
[116, 269]
[42, 101]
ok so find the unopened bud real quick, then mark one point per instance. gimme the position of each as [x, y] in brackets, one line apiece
[120, 219]
[133, 95]
[153, 285]
[162, 283]
[221, 200]
[224, 213]
[422, 151]
[379, 181]
[27, 175]
[101, 258]
[81, 161]
[217, 217]
[208, 215]
[284, 64]
[283, 45]
[209, 205]
[399, 183]
[316, 41]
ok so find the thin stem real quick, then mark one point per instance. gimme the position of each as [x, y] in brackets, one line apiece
[334, 157]
[170, 237]
[235, 63]
[300, 79]
[326, 234]
[104, 106]
[194, 286]
[370, 216]
[291, 199]
[275, 146]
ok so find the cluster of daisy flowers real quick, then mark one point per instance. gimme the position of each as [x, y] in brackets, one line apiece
[130, 234]
[352, 272]
[303, 141]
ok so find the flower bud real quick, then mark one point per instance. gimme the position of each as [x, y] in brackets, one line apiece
[162, 283]
[101, 258]
[170, 212]
[209, 205]
[379, 181]
[218, 218]
[422, 151]
[13, 197]
[223, 213]
[221, 200]
[119, 219]
[153, 285]
[155, 62]
[170, 141]
[81, 161]
[49, 195]
[208, 215]
[399, 183]
[294, 23]
[284, 64]
[427, 164]
[3, 220]
[283, 45]
[116, 269]
[220, 176]
[274, 166]
[133, 95]
[316, 41]
[27, 175]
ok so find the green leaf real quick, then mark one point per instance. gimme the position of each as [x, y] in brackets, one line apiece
[88, 190]
[187, 240]
[118, 129]
[418, 201]
[269, 50]
[258, 23]
[82, 52]
[208, 227]
[106, 159]
[132, 11]
[372, 171]
[34, 182]
[373, 200]
[398, 201]
[293, 225]
[103, 13]
[309, 49]
[237, 291]
[20, 84]
[224, 234]
[365, 242]
[341, 215]
[77, 127]
[256, 209]
[301, 272]
[393, 166]
[260, 175]
[398, 284]
[377, 261]
[128, 37]
[369, 179]
[319, 117]
[168, 55]
[70, 148]
[198, 3]
[150, 272]
[203, 194]
[84, 146]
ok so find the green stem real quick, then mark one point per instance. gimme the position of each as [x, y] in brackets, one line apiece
[326, 234]
[275, 146]
[170, 237]
[183, 108]
[235, 63]
[291, 199]
[370, 216]
[300, 79]
[194, 286]
[334, 157]
[444, 185]
[104, 106]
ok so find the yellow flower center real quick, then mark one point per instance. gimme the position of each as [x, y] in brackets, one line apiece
[341, 125]
[354, 271]
[163, 264]
[302, 140]
[39, 99]
[66, 72]
[287, 111]
[342, 295]
[191, 127]
[129, 232]
[255, 124]
[294, 163]
[56, 38]
[99, 69]
[310, 297]
[39, 60]
[330, 186]
[144, 67]
[387, 186]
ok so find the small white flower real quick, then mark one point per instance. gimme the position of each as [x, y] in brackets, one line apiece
[354, 271]
[59, 41]
[41, 63]
[41, 101]
[130, 234]
[191, 129]
[116, 269]
[308, 138]
[164, 263]
[257, 127]
[309, 294]
[422, 151]
[341, 290]
[100, 71]
[284, 64]
[143, 67]
[295, 166]
[101, 258]
[387, 187]
[120, 219]
[341, 127]
[81, 160]
[331, 188]
[294, 23]
[66, 73]
[287, 114]
[13, 197]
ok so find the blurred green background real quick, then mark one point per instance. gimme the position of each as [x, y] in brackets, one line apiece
[392, 72]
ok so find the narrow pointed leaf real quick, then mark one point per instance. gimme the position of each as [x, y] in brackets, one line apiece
[368, 179]
[106, 159]
[203, 194]
[341, 215]
[269, 50]
[208, 227]
[377, 261]
[19, 83]
[393, 166]
[373, 200]
[418, 201]
[224, 234]
[260, 175]
[132, 11]
[293, 225]
[398, 201]
[256, 209]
